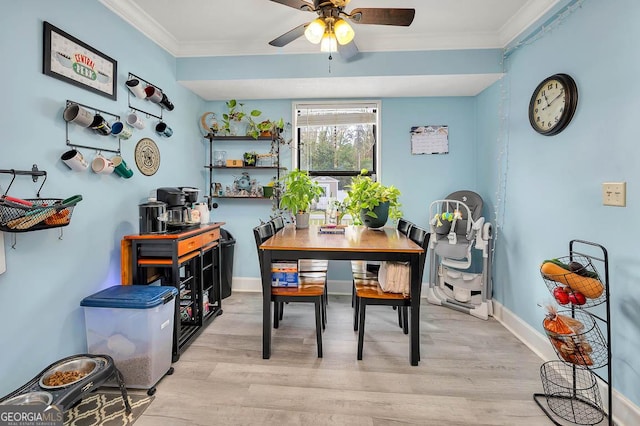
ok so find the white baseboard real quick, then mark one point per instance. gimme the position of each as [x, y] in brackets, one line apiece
[625, 412]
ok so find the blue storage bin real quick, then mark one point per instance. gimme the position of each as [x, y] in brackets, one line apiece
[133, 325]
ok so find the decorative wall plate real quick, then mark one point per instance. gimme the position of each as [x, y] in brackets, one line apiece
[147, 156]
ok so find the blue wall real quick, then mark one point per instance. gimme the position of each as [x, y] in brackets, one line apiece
[40, 315]
[553, 184]
[420, 178]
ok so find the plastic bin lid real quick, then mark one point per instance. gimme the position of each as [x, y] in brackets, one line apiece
[130, 297]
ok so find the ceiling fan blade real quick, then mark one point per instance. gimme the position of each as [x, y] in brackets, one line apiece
[289, 36]
[348, 50]
[296, 4]
[383, 16]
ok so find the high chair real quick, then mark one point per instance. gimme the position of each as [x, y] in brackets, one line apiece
[455, 281]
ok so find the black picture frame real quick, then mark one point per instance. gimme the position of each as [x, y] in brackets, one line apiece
[68, 59]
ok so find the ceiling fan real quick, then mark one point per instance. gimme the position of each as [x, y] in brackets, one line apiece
[332, 31]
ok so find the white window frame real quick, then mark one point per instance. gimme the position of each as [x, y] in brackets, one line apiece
[296, 105]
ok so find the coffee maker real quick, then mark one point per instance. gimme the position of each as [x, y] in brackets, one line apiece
[178, 206]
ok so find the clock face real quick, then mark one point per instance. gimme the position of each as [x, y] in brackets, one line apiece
[553, 104]
[147, 156]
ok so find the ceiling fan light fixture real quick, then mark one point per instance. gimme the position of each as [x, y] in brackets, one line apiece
[315, 30]
[344, 32]
[329, 43]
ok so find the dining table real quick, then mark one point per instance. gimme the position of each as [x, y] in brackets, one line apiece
[356, 243]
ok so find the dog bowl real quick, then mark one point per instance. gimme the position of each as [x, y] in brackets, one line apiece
[68, 372]
[31, 398]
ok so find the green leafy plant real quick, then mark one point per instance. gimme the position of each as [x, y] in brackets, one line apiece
[235, 112]
[299, 191]
[265, 126]
[250, 158]
[366, 194]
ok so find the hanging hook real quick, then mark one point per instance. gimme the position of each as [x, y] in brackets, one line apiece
[61, 233]
[14, 240]
[11, 183]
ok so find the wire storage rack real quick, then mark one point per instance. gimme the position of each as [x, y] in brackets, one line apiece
[570, 385]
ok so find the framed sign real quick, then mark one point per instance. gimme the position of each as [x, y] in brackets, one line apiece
[430, 140]
[68, 59]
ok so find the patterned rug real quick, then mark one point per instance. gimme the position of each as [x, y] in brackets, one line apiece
[105, 408]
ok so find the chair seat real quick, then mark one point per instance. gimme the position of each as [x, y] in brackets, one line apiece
[370, 289]
[313, 288]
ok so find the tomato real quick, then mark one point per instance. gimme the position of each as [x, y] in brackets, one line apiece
[561, 296]
[579, 297]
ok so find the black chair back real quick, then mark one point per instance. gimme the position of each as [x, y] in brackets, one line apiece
[421, 237]
[404, 226]
[278, 223]
[262, 233]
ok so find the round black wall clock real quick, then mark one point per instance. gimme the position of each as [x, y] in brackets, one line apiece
[553, 104]
[147, 156]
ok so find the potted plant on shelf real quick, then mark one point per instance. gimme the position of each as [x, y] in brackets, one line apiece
[249, 158]
[371, 202]
[265, 128]
[233, 119]
[298, 194]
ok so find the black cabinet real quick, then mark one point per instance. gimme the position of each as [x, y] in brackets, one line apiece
[188, 260]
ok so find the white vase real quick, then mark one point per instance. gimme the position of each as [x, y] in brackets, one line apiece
[302, 220]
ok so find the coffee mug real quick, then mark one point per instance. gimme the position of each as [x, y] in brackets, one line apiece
[135, 120]
[166, 103]
[135, 86]
[100, 125]
[121, 130]
[153, 94]
[101, 165]
[120, 167]
[74, 160]
[74, 113]
[163, 130]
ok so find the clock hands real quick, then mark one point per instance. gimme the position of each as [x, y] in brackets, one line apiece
[554, 99]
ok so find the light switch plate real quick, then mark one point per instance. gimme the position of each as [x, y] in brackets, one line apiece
[614, 194]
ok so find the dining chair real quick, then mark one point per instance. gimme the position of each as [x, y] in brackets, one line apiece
[370, 273]
[309, 289]
[369, 292]
[310, 268]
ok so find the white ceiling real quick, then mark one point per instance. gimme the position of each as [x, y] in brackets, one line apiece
[196, 28]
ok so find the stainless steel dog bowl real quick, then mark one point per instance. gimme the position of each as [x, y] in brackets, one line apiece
[83, 365]
[31, 398]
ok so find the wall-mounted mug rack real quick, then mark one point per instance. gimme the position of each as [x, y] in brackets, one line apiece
[144, 90]
[77, 113]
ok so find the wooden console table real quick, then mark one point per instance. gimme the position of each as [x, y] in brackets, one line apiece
[188, 259]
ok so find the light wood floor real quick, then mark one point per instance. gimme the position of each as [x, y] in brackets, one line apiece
[473, 372]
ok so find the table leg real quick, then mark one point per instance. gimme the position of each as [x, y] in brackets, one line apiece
[416, 287]
[266, 303]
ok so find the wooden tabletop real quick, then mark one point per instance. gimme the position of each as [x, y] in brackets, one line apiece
[174, 235]
[355, 238]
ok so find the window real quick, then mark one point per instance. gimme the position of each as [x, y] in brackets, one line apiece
[334, 141]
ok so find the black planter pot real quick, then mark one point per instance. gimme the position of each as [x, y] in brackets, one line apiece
[382, 213]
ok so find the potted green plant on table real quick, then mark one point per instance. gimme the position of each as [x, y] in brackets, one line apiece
[298, 194]
[371, 202]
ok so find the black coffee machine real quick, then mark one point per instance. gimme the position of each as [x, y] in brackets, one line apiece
[179, 201]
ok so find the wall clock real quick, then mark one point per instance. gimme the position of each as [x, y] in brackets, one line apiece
[553, 104]
[147, 156]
